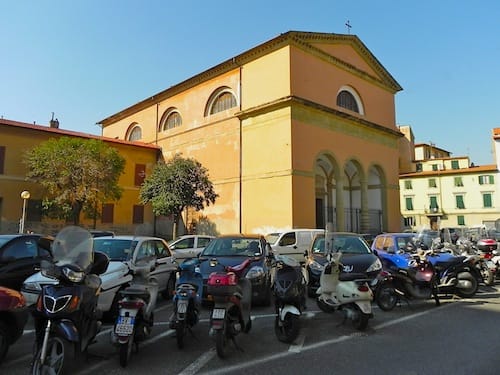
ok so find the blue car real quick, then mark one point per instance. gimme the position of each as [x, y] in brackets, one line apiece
[393, 248]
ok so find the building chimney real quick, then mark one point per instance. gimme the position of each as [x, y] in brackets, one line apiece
[54, 123]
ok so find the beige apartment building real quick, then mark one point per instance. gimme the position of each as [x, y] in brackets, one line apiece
[444, 191]
[296, 132]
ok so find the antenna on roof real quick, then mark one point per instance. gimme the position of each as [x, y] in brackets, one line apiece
[54, 123]
[348, 25]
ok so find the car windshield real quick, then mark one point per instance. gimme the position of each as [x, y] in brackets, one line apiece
[272, 238]
[5, 239]
[345, 244]
[238, 246]
[115, 248]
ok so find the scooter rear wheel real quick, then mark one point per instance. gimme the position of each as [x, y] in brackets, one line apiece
[386, 297]
[221, 342]
[4, 340]
[360, 322]
[467, 292]
[126, 350]
[287, 330]
[180, 330]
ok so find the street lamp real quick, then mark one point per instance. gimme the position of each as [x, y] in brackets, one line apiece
[25, 195]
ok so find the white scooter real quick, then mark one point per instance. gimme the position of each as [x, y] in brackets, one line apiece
[345, 292]
[135, 311]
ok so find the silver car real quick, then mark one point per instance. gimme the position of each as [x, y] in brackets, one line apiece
[190, 245]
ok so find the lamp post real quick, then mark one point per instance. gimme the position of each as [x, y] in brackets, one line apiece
[25, 195]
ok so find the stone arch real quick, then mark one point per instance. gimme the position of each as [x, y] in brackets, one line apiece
[354, 195]
[376, 221]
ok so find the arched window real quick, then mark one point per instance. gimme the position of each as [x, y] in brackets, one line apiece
[135, 133]
[172, 120]
[349, 99]
[346, 100]
[222, 101]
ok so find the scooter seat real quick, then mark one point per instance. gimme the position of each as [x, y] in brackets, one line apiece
[351, 276]
[136, 292]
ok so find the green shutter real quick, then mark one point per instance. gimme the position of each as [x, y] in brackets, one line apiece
[460, 201]
[461, 220]
[487, 200]
[409, 204]
[434, 203]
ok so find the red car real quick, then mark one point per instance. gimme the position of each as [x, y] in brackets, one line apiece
[13, 317]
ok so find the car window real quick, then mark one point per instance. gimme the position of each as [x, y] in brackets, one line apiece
[233, 247]
[21, 248]
[146, 250]
[318, 246]
[350, 245]
[379, 242]
[288, 239]
[203, 241]
[389, 244]
[115, 249]
[162, 250]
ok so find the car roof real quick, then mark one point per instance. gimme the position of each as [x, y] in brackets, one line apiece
[128, 237]
[240, 235]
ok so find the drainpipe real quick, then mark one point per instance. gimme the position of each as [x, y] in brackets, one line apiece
[241, 152]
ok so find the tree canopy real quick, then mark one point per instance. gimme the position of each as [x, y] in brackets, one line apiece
[77, 174]
[175, 185]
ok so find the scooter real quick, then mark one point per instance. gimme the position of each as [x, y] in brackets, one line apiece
[66, 316]
[417, 281]
[289, 289]
[135, 311]
[232, 296]
[349, 293]
[187, 299]
[13, 317]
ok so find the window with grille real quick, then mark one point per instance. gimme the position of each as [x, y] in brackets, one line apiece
[224, 101]
[434, 167]
[173, 120]
[346, 100]
[140, 174]
[458, 181]
[432, 183]
[460, 201]
[487, 201]
[135, 134]
[454, 164]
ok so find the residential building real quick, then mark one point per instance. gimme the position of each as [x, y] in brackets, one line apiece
[444, 191]
[127, 215]
[296, 132]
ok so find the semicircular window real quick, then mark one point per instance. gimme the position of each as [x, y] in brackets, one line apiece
[224, 101]
[135, 134]
[346, 100]
[173, 120]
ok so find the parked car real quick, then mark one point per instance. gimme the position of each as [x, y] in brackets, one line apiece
[13, 318]
[293, 242]
[387, 244]
[189, 246]
[231, 250]
[20, 257]
[357, 257]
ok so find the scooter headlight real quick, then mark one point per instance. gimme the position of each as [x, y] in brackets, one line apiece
[375, 266]
[255, 272]
[72, 275]
[315, 266]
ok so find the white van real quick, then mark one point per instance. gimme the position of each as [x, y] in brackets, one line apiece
[293, 242]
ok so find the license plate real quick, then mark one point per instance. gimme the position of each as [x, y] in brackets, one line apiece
[181, 307]
[124, 325]
[218, 313]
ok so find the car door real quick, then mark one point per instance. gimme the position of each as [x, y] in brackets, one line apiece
[166, 265]
[19, 259]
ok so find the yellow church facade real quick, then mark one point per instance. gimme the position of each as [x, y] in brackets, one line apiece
[297, 132]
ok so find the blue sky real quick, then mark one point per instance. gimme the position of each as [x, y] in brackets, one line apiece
[86, 60]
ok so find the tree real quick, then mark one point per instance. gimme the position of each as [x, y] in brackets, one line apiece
[77, 174]
[175, 185]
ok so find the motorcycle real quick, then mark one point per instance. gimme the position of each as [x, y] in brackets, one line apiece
[187, 299]
[416, 281]
[135, 319]
[481, 257]
[232, 296]
[66, 317]
[13, 317]
[347, 292]
[289, 288]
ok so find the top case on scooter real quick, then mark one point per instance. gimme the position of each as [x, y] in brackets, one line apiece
[222, 284]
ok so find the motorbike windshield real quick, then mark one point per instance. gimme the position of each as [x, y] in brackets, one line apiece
[73, 245]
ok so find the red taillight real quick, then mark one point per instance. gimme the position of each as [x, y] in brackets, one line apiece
[363, 288]
[135, 304]
[488, 255]
[222, 279]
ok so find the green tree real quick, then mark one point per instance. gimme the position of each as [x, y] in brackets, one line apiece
[175, 185]
[78, 175]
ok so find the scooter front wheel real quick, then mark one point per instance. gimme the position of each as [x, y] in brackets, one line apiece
[126, 350]
[58, 359]
[323, 306]
[469, 291]
[287, 330]
[386, 297]
[221, 342]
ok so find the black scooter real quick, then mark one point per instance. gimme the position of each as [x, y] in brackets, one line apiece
[13, 318]
[66, 316]
[232, 296]
[289, 289]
